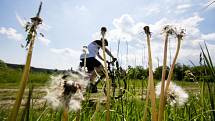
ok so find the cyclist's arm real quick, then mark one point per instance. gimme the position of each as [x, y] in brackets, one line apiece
[109, 53]
[100, 57]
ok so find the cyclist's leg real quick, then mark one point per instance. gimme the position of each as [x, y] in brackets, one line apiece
[99, 71]
[91, 86]
[95, 68]
[92, 63]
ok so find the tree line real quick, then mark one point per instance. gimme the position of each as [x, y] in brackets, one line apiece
[181, 73]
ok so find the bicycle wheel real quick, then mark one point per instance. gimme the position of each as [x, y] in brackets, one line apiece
[117, 88]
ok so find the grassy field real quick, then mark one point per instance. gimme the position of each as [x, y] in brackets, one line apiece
[13, 76]
[128, 108]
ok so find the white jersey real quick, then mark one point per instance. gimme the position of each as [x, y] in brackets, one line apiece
[93, 50]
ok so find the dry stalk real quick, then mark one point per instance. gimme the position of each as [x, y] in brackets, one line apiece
[147, 101]
[85, 58]
[78, 114]
[97, 106]
[32, 34]
[151, 87]
[65, 113]
[103, 31]
[167, 31]
[179, 38]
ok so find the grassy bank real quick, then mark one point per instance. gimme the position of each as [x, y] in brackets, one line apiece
[10, 77]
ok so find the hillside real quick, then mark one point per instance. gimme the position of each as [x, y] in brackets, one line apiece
[11, 73]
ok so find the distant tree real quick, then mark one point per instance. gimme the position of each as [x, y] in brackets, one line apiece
[158, 73]
[137, 72]
[202, 73]
[178, 72]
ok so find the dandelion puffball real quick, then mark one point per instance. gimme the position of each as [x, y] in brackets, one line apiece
[66, 90]
[175, 95]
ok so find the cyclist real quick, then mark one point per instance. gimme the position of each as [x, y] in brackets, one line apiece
[93, 65]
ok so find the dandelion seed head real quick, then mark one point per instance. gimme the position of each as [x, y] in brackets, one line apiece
[179, 33]
[66, 90]
[169, 29]
[175, 94]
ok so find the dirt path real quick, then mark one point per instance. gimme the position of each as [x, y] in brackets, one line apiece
[7, 96]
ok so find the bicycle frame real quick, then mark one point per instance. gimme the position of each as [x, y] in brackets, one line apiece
[118, 81]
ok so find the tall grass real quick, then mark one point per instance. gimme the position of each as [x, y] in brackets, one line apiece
[197, 108]
[210, 85]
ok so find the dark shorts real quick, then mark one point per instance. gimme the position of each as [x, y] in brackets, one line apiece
[91, 63]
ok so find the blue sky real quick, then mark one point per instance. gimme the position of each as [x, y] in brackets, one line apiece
[70, 24]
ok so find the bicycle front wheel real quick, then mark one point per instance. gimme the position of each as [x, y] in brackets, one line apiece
[117, 88]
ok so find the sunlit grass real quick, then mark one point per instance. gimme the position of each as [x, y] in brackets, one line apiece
[133, 107]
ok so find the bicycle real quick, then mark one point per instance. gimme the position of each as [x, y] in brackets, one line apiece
[118, 81]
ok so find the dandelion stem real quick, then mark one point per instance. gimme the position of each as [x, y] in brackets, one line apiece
[147, 101]
[78, 114]
[24, 81]
[85, 59]
[65, 113]
[161, 104]
[173, 64]
[35, 22]
[103, 30]
[151, 87]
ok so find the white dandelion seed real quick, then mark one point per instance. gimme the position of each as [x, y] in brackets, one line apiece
[66, 90]
[175, 95]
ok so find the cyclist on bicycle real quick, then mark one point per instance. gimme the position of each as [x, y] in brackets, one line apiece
[93, 65]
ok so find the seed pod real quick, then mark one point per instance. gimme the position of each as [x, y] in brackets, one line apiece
[103, 29]
[147, 31]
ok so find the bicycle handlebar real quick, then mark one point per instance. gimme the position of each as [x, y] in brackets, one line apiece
[112, 62]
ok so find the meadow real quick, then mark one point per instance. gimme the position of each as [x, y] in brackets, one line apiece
[128, 108]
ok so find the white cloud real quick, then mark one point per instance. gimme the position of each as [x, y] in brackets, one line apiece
[127, 29]
[81, 8]
[67, 52]
[116, 34]
[153, 10]
[44, 41]
[66, 57]
[11, 33]
[183, 6]
[148, 10]
[210, 36]
[124, 23]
